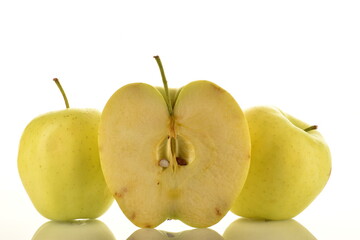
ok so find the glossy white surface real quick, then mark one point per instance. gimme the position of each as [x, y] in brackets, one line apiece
[302, 56]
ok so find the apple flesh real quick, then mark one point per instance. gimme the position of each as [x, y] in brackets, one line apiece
[185, 161]
[290, 165]
[58, 163]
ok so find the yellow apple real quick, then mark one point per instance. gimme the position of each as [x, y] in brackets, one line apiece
[58, 162]
[290, 165]
[179, 154]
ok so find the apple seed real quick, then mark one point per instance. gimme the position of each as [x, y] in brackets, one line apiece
[164, 163]
[181, 161]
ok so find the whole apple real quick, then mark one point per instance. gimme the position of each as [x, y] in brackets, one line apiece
[290, 165]
[58, 163]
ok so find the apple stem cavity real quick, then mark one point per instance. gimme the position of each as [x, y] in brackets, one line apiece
[62, 92]
[313, 127]
[167, 94]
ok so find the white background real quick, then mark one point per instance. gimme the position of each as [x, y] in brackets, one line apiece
[302, 56]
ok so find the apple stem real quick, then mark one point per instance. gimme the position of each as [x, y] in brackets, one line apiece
[62, 92]
[167, 94]
[313, 127]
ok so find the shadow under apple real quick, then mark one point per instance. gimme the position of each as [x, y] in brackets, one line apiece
[194, 234]
[250, 229]
[74, 230]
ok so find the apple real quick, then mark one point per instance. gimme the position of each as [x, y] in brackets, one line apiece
[251, 229]
[74, 230]
[290, 165]
[174, 153]
[153, 234]
[58, 163]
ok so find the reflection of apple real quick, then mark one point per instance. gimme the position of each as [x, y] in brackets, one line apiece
[180, 154]
[266, 230]
[74, 230]
[195, 234]
[290, 165]
[59, 164]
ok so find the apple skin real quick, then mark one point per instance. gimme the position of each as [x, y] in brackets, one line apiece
[289, 166]
[58, 163]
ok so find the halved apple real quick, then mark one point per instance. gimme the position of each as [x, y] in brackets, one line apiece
[174, 154]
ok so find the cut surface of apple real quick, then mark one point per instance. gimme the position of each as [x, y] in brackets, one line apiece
[187, 163]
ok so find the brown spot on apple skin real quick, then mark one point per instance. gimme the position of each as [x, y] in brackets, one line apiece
[133, 216]
[121, 193]
[217, 88]
[118, 195]
[218, 212]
